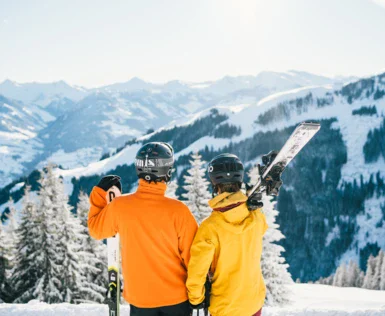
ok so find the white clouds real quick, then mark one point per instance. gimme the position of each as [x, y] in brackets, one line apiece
[379, 2]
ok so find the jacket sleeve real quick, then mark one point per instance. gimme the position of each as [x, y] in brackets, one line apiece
[102, 218]
[202, 254]
[187, 228]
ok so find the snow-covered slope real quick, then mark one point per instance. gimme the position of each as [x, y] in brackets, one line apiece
[19, 126]
[308, 300]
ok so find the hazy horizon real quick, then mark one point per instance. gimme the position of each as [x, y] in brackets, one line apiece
[176, 79]
[93, 43]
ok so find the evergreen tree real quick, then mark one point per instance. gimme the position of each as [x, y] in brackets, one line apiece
[5, 289]
[172, 186]
[70, 245]
[11, 238]
[25, 273]
[337, 280]
[376, 281]
[47, 261]
[360, 281]
[57, 263]
[341, 278]
[94, 256]
[329, 280]
[382, 277]
[253, 175]
[197, 195]
[371, 266]
[274, 268]
[353, 275]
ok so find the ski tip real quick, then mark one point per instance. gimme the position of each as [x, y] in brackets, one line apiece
[311, 125]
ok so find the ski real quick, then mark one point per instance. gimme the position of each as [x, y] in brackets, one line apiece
[277, 162]
[113, 249]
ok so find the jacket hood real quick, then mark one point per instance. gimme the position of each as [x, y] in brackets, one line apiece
[237, 219]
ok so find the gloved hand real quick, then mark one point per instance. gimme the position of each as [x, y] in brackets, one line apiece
[107, 182]
[273, 181]
[198, 306]
[254, 202]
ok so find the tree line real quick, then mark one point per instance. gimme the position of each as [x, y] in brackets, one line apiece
[350, 275]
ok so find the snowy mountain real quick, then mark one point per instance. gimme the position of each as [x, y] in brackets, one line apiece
[19, 127]
[77, 126]
[41, 93]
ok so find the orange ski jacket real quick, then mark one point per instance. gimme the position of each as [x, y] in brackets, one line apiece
[156, 233]
[230, 245]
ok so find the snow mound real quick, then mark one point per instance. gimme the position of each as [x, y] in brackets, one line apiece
[308, 300]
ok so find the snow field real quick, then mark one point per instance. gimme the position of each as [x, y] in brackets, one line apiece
[308, 300]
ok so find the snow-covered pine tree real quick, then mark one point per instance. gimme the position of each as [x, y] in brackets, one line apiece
[48, 260]
[172, 186]
[376, 281]
[353, 275]
[371, 266]
[360, 280]
[25, 274]
[5, 288]
[329, 280]
[337, 276]
[382, 277]
[341, 276]
[94, 256]
[59, 276]
[197, 195]
[12, 237]
[74, 284]
[253, 175]
[274, 268]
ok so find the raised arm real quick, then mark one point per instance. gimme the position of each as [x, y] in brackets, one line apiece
[102, 218]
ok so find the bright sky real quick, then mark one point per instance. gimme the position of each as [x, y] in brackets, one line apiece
[96, 42]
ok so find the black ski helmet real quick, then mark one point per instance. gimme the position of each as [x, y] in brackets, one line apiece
[154, 162]
[225, 168]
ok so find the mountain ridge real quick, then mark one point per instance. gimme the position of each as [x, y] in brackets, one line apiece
[85, 123]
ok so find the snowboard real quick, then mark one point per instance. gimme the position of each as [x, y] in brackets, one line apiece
[113, 255]
[302, 134]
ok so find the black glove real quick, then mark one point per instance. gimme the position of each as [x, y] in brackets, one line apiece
[198, 306]
[273, 181]
[254, 202]
[207, 291]
[107, 182]
[206, 302]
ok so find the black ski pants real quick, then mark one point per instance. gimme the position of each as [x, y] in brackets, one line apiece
[182, 309]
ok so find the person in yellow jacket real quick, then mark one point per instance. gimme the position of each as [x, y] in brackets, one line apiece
[156, 234]
[228, 244]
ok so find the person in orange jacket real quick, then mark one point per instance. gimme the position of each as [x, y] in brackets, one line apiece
[228, 244]
[156, 234]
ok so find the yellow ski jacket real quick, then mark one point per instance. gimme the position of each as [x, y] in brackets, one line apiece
[229, 244]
